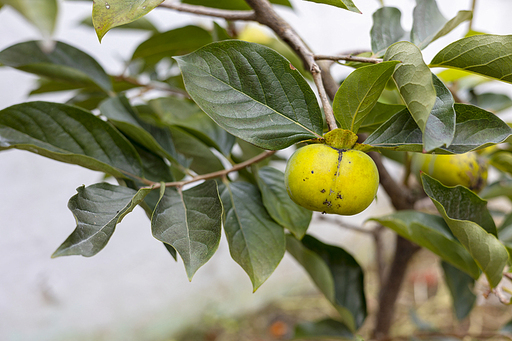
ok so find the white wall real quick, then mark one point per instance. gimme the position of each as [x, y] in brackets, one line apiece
[133, 290]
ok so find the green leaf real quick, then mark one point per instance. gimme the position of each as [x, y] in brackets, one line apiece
[345, 4]
[328, 329]
[386, 29]
[379, 114]
[154, 166]
[467, 216]
[68, 134]
[97, 210]
[203, 160]
[111, 13]
[172, 43]
[431, 232]
[359, 93]
[336, 273]
[475, 128]
[186, 114]
[190, 221]
[440, 128]
[42, 13]
[505, 233]
[461, 289]
[231, 4]
[63, 62]
[252, 92]
[158, 140]
[278, 203]
[140, 24]
[429, 24]
[256, 242]
[502, 160]
[488, 55]
[414, 81]
[491, 101]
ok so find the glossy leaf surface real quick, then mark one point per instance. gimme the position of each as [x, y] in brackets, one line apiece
[336, 273]
[256, 242]
[475, 128]
[278, 203]
[467, 216]
[97, 210]
[111, 13]
[359, 93]
[252, 92]
[414, 80]
[431, 232]
[190, 221]
[488, 55]
[379, 114]
[68, 134]
[63, 62]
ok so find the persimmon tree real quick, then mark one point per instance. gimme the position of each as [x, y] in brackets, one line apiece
[229, 101]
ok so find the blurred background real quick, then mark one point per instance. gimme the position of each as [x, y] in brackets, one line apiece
[133, 289]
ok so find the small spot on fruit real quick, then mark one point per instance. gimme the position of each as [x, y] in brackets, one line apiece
[339, 196]
[323, 191]
[327, 202]
[312, 172]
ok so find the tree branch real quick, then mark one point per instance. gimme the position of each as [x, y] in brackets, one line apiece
[349, 58]
[207, 11]
[213, 175]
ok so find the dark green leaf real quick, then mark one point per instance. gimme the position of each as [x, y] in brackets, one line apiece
[186, 114]
[440, 128]
[359, 93]
[172, 43]
[491, 101]
[278, 203]
[386, 29]
[42, 13]
[220, 33]
[461, 289]
[467, 216]
[336, 273]
[502, 160]
[431, 232]
[190, 221]
[429, 24]
[155, 167]
[68, 134]
[63, 63]
[486, 54]
[505, 233]
[171, 250]
[345, 4]
[231, 4]
[111, 13]
[324, 329]
[253, 93]
[379, 114]
[140, 24]
[203, 160]
[87, 99]
[97, 210]
[475, 128]
[414, 80]
[256, 242]
[158, 140]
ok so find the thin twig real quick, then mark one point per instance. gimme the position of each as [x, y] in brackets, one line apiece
[349, 58]
[345, 225]
[151, 85]
[473, 5]
[213, 175]
[207, 11]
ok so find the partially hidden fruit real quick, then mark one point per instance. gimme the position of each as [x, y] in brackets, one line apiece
[329, 180]
[467, 169]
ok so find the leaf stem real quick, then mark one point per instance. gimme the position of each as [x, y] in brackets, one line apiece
[218, 174]
[349, 58]
[473, 5]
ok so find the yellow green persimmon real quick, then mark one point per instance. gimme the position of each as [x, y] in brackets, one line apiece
[329, 180]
